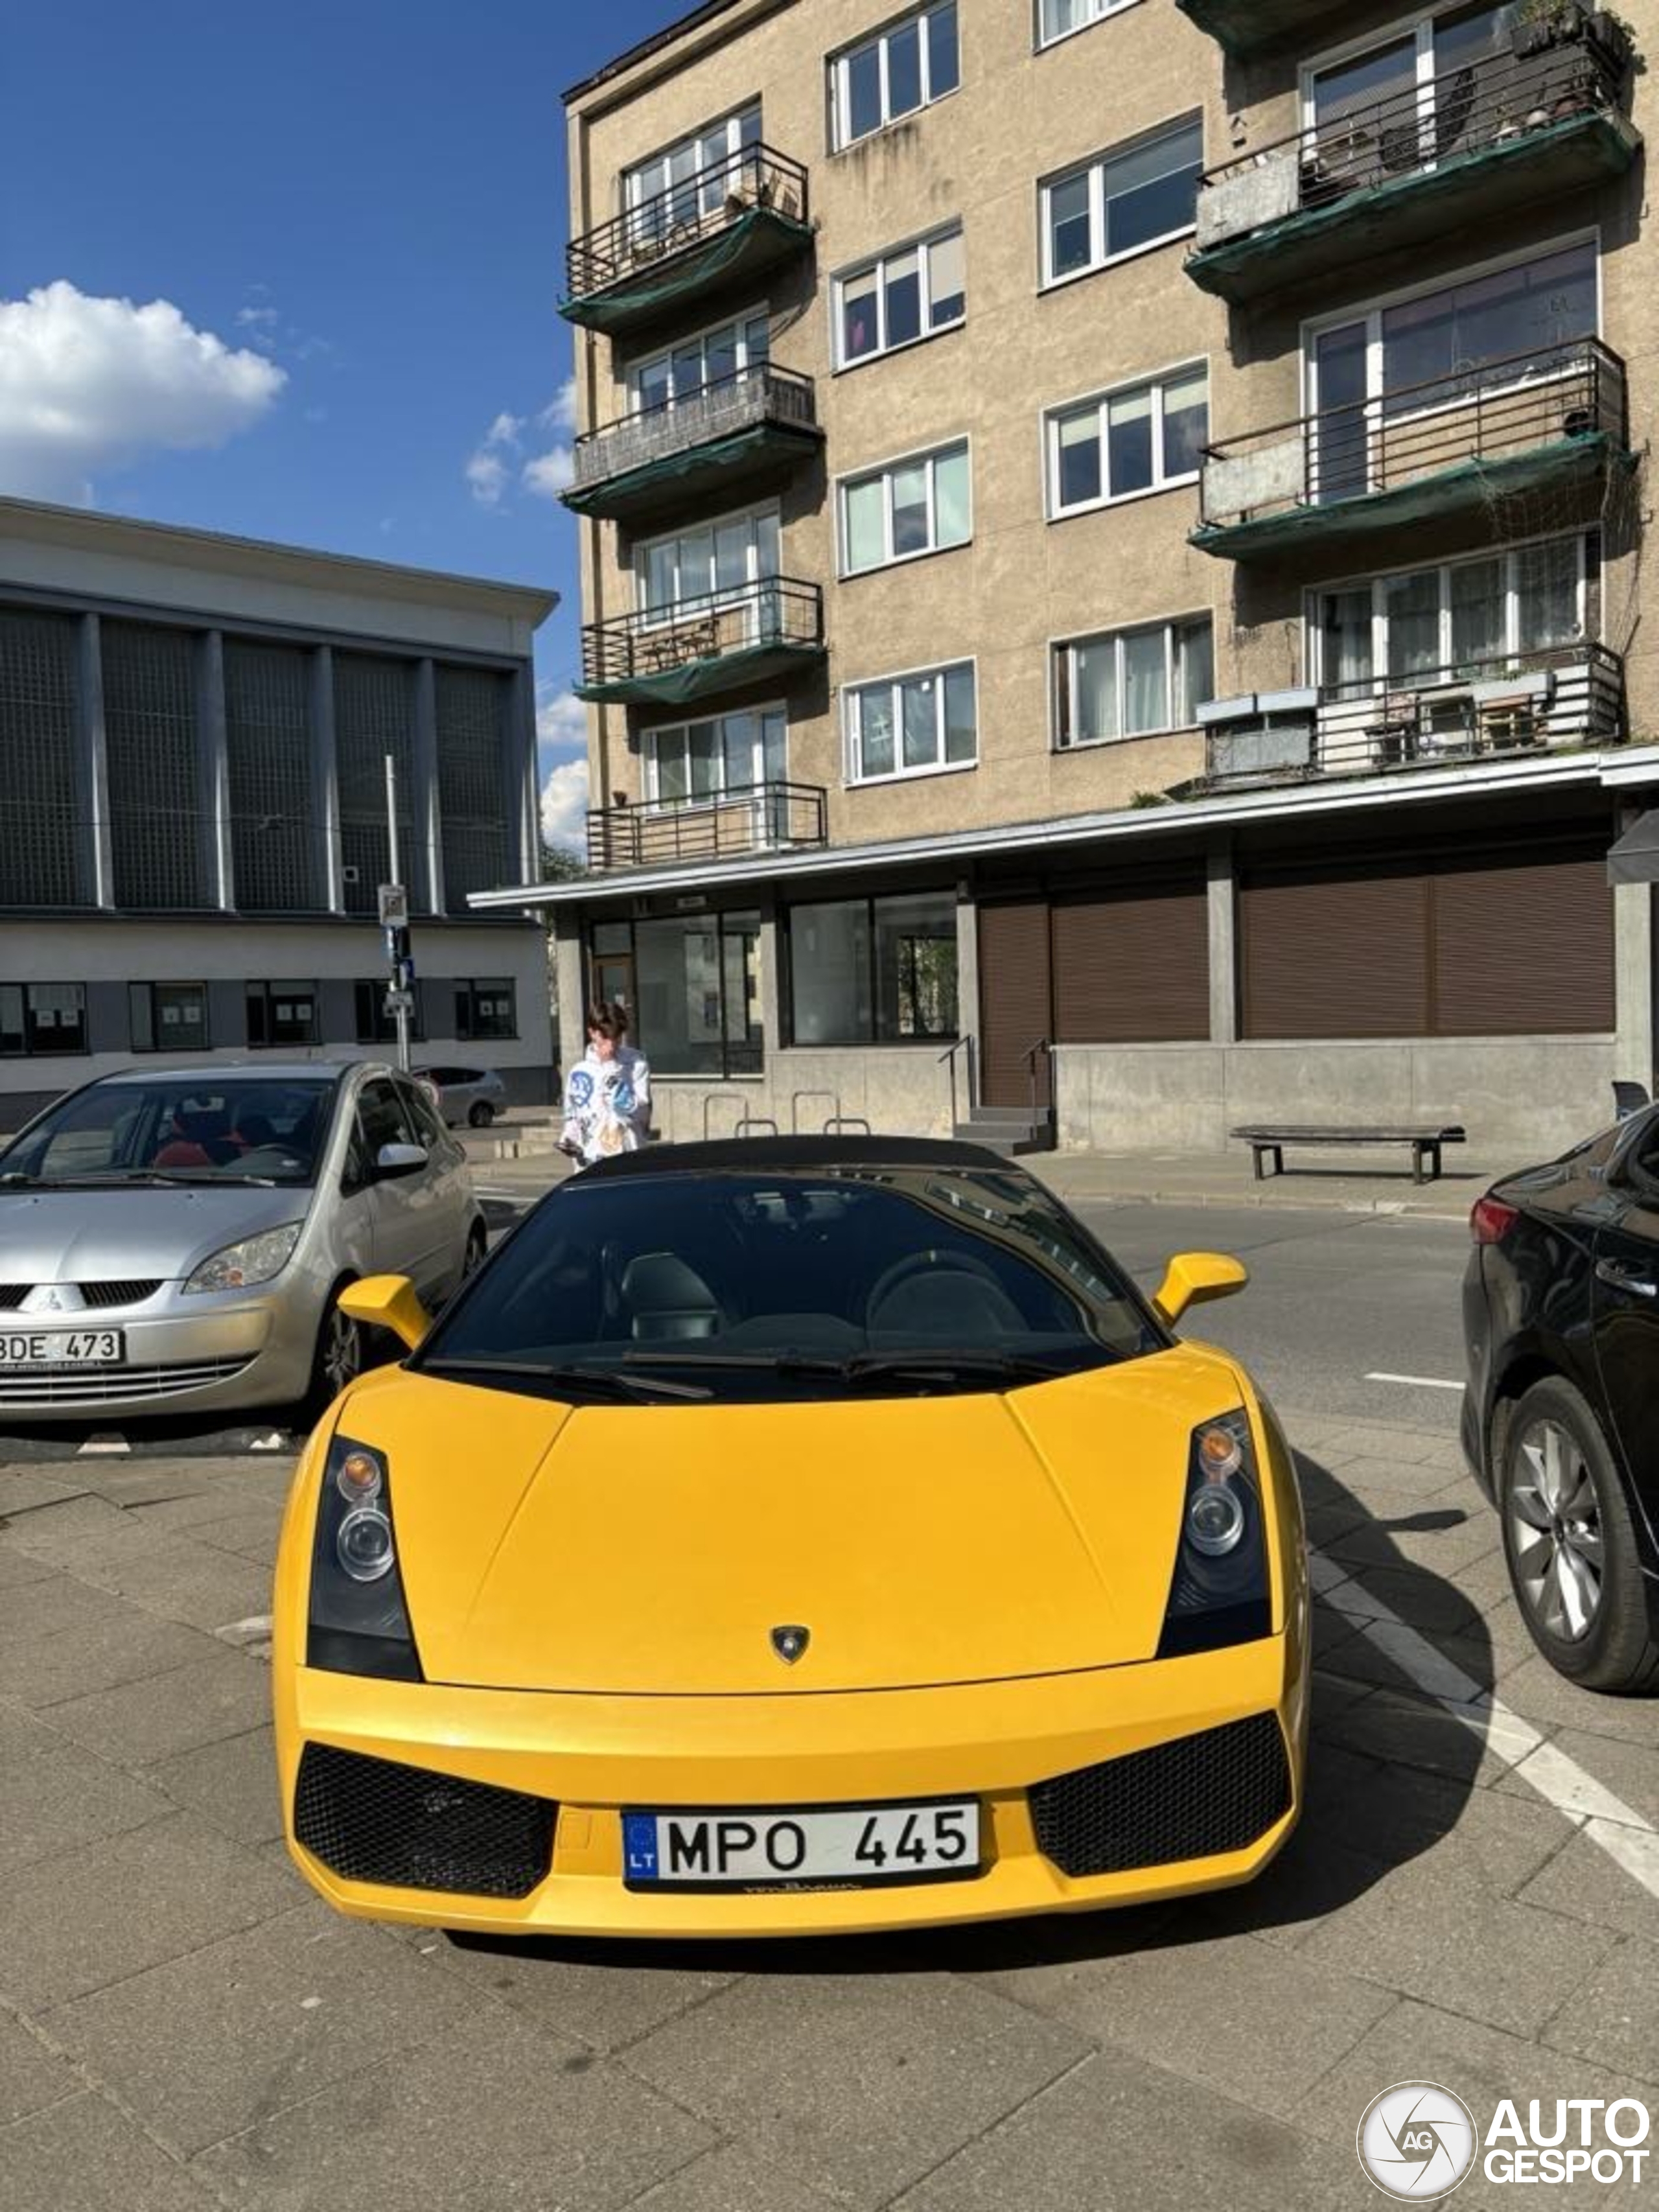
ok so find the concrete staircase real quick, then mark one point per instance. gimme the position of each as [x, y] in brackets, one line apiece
[1009, 1130]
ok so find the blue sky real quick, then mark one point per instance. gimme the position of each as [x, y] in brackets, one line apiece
[363, 202]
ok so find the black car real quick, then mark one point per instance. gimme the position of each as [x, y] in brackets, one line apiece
[1561, 1416]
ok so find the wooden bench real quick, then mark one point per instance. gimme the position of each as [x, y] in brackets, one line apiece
[1426, 1141]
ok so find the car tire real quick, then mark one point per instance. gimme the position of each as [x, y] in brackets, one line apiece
[481, 1114]
[340, 1357]
[1570, 1545]
[478, 1250]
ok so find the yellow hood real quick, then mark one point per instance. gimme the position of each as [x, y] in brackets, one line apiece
[920, 1541]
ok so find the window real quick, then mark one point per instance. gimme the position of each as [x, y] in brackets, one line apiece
[721, 355]
[283, 1013]
[1426, 76]
[909, 65]
[912, 725]
[873, 971]
[908, 294]
[1132, 683]
[919, 505]
[690, 180]
[375, 1024]
[692, 989]
[726, 556]
[169, 1016]
[1058, 19]
[486, 1009]
[1455, 620]
[37, 1018]
[689, 761]
[1143, 439]
[1142, 196]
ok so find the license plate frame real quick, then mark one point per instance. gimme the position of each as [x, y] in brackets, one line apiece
[646, 1834]
[58, 1351]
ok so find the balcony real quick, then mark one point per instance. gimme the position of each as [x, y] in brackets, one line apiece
[696, 648]
[719, 441]
[757, 817]
[1558, 696]
[724, 226]
[1548, 423]
[1247, 28]
[1407, 170]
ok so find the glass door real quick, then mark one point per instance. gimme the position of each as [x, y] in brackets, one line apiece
[1339, 436]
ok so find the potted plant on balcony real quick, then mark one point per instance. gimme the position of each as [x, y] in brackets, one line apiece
[1541, 24]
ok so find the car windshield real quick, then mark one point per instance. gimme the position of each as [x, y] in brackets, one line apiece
[791, 1284]
[178, 1129]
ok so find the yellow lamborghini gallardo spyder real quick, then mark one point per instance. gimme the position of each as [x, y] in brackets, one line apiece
[784, 1537]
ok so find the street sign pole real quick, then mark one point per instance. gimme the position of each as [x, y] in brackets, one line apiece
[394, 919]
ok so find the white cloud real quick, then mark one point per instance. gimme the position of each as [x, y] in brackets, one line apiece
[560, 412]
[564, 807]
[496, 459]
[548, 475]
[88, 384]
[490, 466]
[561, 721]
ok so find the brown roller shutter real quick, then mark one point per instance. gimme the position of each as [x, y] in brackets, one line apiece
[1016, 1008]
[1132, 964]
[1336, 952]
[1523, 943]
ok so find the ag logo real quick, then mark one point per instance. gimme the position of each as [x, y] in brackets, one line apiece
[1417, 2141]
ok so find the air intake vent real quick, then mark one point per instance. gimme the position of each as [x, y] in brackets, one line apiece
[372, 1819]
[1196, 1798]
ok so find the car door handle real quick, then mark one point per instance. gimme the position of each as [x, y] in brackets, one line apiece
[1619, 1278]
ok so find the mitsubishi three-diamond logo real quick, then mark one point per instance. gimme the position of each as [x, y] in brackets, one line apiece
[1417, 2141]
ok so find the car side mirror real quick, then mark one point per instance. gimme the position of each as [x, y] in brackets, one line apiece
[389, 1302]
[1192, 1278]
[399, 1159]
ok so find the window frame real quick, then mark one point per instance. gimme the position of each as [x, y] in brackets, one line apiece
[150, 991]
[838, 67]
[650, 765]
[1062, 672]
[748, 362]
[269, 991]
[869, 900]
[1419, 27]
[738, 1059]
[468, 991]
[715, 594]
[1095, 168]
[28, 1030]
[732, 121]
[1154, 384]
[1105, 10]
[853, 733]
[386, 1031]
[882, 472]
[873, 264]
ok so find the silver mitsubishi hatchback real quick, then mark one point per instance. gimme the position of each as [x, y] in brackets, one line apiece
[176, 1240]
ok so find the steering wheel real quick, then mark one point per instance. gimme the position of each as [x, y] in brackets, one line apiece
[927, 1263]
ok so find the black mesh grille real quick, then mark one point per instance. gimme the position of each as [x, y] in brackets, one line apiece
[371, 1820]
[12, 1296]
[120, 1294]
[1192, 1799]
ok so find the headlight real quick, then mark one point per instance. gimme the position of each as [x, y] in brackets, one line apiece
[253, 1260]
[359, 1622]
[1219, 1593]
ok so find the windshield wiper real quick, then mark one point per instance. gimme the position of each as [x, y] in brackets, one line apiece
[773, 1363]
[607, 1380]
[925, 1363]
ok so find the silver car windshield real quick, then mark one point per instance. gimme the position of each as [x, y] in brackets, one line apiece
[178, 1129]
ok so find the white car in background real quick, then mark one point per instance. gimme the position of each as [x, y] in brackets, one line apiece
[473, 1095]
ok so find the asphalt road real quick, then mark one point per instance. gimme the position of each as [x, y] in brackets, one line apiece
[1333, 1298]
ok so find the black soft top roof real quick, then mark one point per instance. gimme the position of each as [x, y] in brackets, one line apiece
[759, 1155]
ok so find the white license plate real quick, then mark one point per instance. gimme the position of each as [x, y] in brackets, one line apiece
[62, 1347]
[842, 1846]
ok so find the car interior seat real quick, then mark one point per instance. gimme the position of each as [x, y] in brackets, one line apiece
[665, 1300]
[931, 1296]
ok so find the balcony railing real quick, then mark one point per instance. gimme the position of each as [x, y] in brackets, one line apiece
[1556, 696]
[691, 646]
[1548, 415]
[646, 258]
[1515, 127]
[747, 818]
[719, 430]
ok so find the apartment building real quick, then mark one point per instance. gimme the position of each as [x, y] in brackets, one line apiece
[1113, 562]
[194, 825]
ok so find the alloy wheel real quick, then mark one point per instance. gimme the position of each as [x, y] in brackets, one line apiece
[343, 1349]
[1555, 1532]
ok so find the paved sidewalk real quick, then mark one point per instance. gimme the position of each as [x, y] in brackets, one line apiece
[184, 2028]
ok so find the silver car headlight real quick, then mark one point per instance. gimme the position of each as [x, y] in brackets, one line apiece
[251, 1260]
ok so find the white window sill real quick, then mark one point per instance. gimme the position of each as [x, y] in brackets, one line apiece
[908, 346]
[1116, 260]
[903, 561]
[1131, 737]
[893, 122]
[1042, 46]
[911, 775]
[1122, 499]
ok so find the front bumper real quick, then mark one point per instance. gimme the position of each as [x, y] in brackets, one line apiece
[217, 1353]
[593, 1756]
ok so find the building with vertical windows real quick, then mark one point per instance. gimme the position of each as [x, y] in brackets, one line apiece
[1113, 563]
[193, 817]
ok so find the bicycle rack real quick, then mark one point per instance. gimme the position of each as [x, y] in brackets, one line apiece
[755, 1121]
[795, 1097]
[837, 1123]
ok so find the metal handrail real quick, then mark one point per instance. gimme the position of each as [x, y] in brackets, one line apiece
[743, 818]
[798, 393]
[776, 609]
[1042, 1045]
[795, 1097]
[964, 1044]
[674, 219]
[1485, 103]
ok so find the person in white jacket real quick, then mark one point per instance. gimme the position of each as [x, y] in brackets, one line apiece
[607, 1095]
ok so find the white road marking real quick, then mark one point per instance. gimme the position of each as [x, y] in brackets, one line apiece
[1628, 1837]
[1416, 1381]
[274, 1440]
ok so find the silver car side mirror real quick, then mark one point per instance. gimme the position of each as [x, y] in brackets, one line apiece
[400, 1159]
